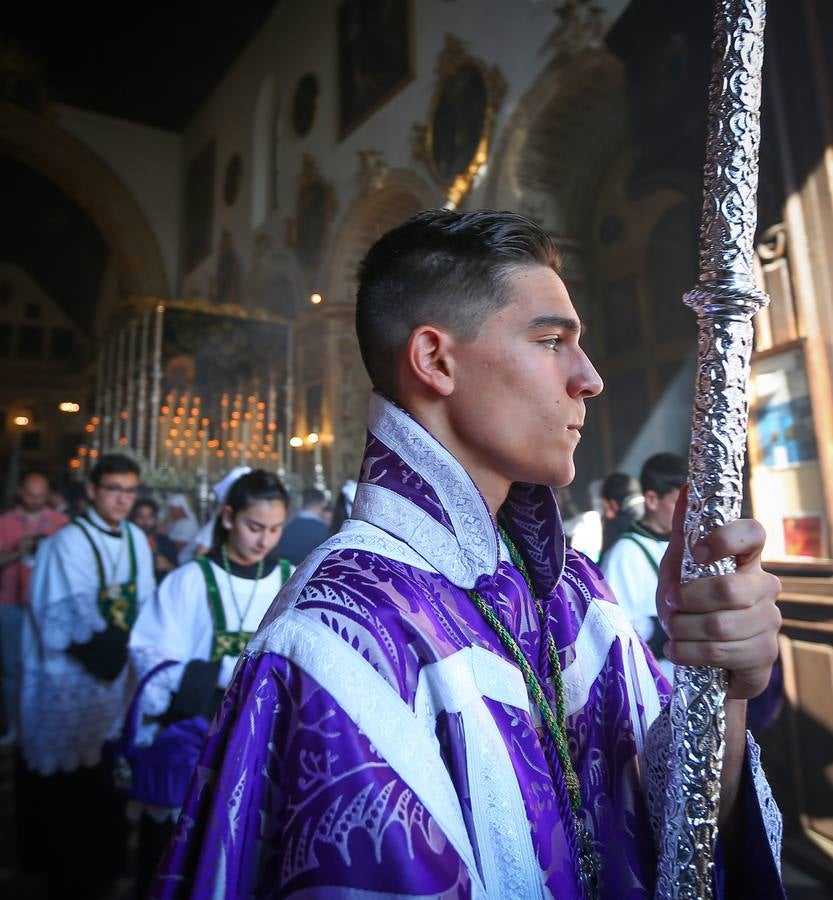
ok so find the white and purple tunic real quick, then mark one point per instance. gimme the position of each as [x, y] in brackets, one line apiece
[377, 741]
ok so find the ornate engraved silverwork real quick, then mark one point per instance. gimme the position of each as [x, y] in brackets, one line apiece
[725, 300]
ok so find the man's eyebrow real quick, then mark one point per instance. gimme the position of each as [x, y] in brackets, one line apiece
[568, 322]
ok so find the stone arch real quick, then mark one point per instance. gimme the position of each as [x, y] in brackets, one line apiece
[263, 151]
[397, 195]
[556, 146]
[42, 145]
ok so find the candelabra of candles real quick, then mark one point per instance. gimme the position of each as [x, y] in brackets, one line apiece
[185, 437]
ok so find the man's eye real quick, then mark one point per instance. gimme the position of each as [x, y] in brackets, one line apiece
[552, 343]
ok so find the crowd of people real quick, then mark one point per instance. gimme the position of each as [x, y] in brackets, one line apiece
[422, 690]
[93, 605]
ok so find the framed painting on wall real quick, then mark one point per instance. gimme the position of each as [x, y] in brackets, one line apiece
[374, 57]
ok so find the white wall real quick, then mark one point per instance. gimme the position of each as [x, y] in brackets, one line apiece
[300, 37]
[147, 160]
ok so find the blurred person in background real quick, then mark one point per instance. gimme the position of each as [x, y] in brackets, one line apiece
[622, 505]
[631, 566]
[307, 529]
[21, 530]
[146, 515]
[90, 580]
[202, 617]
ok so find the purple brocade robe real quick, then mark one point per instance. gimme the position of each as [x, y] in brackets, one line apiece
[378, 741]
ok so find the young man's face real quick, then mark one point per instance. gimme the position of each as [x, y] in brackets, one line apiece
[145, 517]
[659, 510]
[113, 497]
[521, 385]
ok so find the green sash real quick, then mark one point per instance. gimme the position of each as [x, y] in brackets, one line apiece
[117, 602]
[225, 642]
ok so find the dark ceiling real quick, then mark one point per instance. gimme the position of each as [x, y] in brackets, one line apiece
[151, 62]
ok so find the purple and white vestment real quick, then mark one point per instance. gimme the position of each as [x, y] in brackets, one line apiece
[377, 741]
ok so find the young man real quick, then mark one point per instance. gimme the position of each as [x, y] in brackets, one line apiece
[89, 582]
[632, 564]
[21, 530]
[307, 529]
[146, 515]
[443, 701]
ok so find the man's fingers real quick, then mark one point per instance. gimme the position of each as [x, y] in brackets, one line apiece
[726, 625]
[750, 656]
[743, 539]
[722, 592]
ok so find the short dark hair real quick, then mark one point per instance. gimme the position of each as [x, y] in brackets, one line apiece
[440, 267]
[663, 472]
[312, 497]
[114, 464]
[149, 502]
[250, 488]
[619, 486]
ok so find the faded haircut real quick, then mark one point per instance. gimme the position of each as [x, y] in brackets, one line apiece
[444, 268]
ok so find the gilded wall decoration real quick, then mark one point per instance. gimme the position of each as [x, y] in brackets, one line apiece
[308, 231]
[582, 25]
[373, 170]
[456, 142]
[374, 57]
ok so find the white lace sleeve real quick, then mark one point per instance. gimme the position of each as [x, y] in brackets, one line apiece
[656, 761]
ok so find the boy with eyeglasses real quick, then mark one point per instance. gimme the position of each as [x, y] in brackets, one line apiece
[90, 579]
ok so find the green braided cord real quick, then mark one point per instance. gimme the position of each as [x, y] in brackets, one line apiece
[555, 723]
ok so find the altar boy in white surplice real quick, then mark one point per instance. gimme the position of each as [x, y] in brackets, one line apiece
[89, 582]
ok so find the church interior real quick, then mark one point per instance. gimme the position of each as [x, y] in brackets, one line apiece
[187, 191]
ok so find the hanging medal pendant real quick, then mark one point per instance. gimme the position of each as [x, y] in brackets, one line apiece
[113, 591]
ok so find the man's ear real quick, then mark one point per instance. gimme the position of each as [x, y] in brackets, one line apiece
[428, 358]
[651, 500]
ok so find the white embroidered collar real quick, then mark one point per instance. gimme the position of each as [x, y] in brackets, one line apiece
[470, 548]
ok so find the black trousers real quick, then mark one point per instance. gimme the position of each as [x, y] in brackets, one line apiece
[70, 827]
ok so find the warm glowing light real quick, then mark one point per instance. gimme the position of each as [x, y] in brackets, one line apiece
[123, 414]
[178, 420]
[82, 451]
[88, 428]
[169, 443]
[261, 405]
[177, 451]
[296, 441]
[21, 421]
[315, 298]
[93, 453]
[95, 420]
[165, 410]
[174, 432]
[75, 464]
[123, 441]
[69, 406]
[312, 437]
[187, 432]
[273, 426]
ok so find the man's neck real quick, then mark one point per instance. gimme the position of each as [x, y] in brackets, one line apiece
[113, 524]
[651, 524]
[31, 514]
